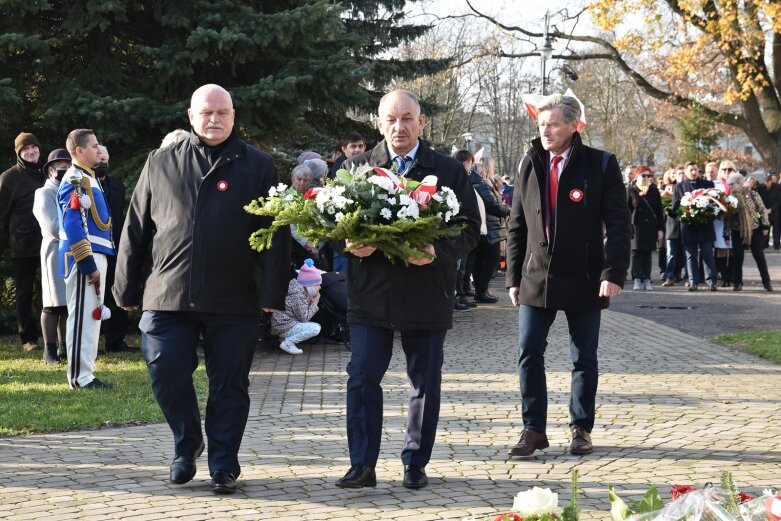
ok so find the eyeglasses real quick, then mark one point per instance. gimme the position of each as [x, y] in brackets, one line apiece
[647, 175]
[728, 169]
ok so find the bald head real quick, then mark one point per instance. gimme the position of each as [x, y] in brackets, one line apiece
[400, 120]
[211, 114]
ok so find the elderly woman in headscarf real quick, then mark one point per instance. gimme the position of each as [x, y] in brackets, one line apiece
[645, 206]
[748, 225]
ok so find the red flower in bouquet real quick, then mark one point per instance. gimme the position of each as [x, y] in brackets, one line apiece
[742, 497]
[509, 516]
[678, 490]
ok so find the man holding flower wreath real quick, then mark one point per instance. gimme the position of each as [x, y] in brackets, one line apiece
[698, 238]
[415, 299]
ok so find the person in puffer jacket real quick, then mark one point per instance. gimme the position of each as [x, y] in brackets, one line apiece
[293, 324]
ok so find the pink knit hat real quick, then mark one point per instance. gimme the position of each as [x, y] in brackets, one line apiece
[308, 275]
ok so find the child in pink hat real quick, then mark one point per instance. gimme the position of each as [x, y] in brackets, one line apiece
[292, 325]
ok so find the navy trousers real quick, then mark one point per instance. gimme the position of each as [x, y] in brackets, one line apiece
[168, 344]
[694, 253]
[534, 324]
[372, 348]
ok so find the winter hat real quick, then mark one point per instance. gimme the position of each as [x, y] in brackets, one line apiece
[308, 275]
[309, 154]
[58, 154]
[24, 139]
[734, 179]
[318, 167]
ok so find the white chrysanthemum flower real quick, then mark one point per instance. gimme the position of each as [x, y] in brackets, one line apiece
[701, 202]
[402, 213]
[386, 213]
[272, 191]
[413, 210]
[448, 215]
[437, 197]
[404, 199]
[383, 182]
[339, 216]
[289, 197]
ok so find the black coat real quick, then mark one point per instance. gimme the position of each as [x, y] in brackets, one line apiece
[647, 216]
[495, 210]
[591, 238]
[18, 225]
[114, 189]
[771, 197]
[692, 233]
[394, 296]
[199, 235]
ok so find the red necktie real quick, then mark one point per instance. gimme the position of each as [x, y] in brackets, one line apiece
[554, 183]
[553, 187]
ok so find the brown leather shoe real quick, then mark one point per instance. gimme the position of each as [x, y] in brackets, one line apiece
[581, 441]
[667, 283]
[529, 442]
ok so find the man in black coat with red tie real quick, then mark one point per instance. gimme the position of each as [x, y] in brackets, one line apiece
[568, 249]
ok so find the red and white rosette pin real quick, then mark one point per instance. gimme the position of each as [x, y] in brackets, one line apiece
[222, 185]
[576, 195]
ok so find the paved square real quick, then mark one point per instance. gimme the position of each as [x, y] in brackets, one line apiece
[672, 408]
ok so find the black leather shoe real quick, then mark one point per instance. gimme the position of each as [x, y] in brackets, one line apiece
[183, 468]
[223, 482]
[530, 441]
[767, 286]
[693, 288]
[415, 477]
[460, 305]
[358, 476]
[98, 385]
[486, 299]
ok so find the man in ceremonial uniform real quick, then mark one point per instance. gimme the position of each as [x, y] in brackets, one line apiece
[85, 244]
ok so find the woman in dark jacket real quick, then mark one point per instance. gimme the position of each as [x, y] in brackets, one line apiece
[645, 205]
[486, 253]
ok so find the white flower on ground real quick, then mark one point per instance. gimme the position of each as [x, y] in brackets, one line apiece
[536, 501]
[386, 213]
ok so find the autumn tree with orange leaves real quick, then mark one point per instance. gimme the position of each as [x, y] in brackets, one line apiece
[720, 57]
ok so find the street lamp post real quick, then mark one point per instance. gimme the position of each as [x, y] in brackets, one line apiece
[546, 53]
[468, 140]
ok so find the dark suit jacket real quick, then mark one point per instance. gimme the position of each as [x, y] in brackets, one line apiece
[591, 238]
[394, 296]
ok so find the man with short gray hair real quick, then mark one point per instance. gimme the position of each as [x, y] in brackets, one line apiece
[567, 250]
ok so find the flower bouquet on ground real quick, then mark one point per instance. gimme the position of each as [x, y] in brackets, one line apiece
[370, 206]
[704, 205]
[723, 503]
[539, 504]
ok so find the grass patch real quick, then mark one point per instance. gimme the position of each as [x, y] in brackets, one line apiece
[34, 397]
[764, 344]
